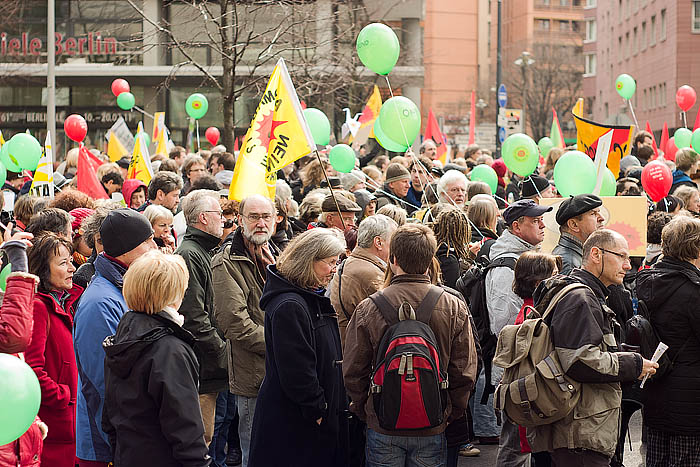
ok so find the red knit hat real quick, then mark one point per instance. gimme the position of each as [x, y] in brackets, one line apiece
[79, 215]
[500, 168]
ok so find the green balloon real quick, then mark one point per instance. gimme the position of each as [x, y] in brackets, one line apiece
[695, 140]
[520, 154]
[626, 86]
[197, 105]
[25, 150]
[6, 161]
[484, 173]
[682, 138]
[126, 101]
[3, 174]
[609, 187]
[146, 138]
[3, 276]
[20, 396]
[400, 120]
[545, 144]
[319, 125]
[378, 48]
[386, 142]
[574, 174]
[342, 158]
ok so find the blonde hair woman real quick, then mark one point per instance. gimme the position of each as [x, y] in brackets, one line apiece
[301, 404]
[151, 411]
[161, 220]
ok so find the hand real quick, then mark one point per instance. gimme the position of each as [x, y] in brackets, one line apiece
[23, 237]
[169, 240]
[43, 428]
[648, 368]
[474, 248]
[318, 422]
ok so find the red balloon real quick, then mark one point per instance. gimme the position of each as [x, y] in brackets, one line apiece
[657, 180]
[75, 127]
[212, 135]
[670, 150]
[119, 86]
[685, 97]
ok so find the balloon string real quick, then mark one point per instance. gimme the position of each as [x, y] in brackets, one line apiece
[685, 123]
[636, 123]
[199, 146]
[143, 112]
[398, 116]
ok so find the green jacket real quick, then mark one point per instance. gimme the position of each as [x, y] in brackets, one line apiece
[238, 285]
[198, 309]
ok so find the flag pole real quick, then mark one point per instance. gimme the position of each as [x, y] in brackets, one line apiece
[318, 156]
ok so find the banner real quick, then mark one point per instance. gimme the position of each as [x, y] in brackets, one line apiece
[588, 133]
[140, 165]
[158, 123]
[432, 131]
[42, 185]
[122, 131]
[278, 135]
[369, 114]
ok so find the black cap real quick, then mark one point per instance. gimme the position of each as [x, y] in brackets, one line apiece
[532, 186]
[668, 204]
[335, 183]
[523, 207]
[575, 206]
[124, 162]
[123, 230]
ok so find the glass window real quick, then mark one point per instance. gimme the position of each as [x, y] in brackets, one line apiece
[590, 3]
[563, 26]
[635, 43]
[695, 16]
[542, 24]
[644, 35]
[663, 25]
[591, 30]
[590, 65]
[652, 31]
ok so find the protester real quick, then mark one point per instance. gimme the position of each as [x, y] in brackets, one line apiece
[670, 292]
[23, 211]
[178, 154]
[627, 187]
[69, 199]
[669, 204]
[420, 176]
[396, 186]
[125, 235]
[112, 182]
[338, 212]
[52, 220]
[161, 220]
[164, 190]
[686, 167]
[428, 149]
[642, 139]
[397, 213]
[452, 232]
[411, 254]
[151, 409]
[535, 187]
[353, 181]
[134, 192]
[50, 351]
[91, 236]
[452, 188]
[367, 202]
[655, 225]
[578, 217]
[193, 167]
[483, 214]
[205, 225]
[690, 197]
[588, 353]
[477, 188]
[239, 273]
[300, 417]
[282, 231]
[81, 250]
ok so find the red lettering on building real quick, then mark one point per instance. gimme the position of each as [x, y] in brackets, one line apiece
[25, 45]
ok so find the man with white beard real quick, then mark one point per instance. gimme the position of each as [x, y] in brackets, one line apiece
[239, 272]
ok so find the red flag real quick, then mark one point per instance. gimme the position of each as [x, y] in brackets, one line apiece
[472, 119]
[432, 131]
[697, 120]
[653, 141]
[235, 144]
[87, 174]
[664, 138]
[555, 133]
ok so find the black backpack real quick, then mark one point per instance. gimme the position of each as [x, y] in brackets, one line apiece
[409, 382]
[472, 285]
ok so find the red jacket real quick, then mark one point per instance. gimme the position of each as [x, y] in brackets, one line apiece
[52, 357]
[15, 334]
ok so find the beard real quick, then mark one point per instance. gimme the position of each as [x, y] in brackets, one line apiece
[256, 239]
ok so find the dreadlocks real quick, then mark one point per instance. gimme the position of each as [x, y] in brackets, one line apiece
[452, 228]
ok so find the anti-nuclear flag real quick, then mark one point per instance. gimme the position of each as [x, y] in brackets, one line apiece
[115, 149]
[588, 133]
[42, 185]
[369, 114]
[140, 165]
[432, 131]
[161, 136]
[278, 135]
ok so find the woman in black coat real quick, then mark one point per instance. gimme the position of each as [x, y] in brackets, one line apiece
[670, 291]
[151, 412]
[301, 416]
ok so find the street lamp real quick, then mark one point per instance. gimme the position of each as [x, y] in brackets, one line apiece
[524, 61]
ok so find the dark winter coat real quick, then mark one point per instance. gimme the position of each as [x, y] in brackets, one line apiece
[303, 381]
[451, 266]
[198, 309]
[570, 249]
[680, 179]
[384, 198]
[83, 275]
[670, 290]
[50, 354]
[151, 412]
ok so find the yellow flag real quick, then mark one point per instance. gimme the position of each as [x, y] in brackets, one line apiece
[115, 149]
[158, 123]
[369, 114]
[278, 135]
[2, 140]
[578, 108]
[42, 184]
[140, 165]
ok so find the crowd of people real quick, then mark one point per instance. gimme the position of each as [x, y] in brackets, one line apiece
[170, 325]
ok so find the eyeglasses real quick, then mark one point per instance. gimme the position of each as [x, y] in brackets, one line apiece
[220, 213]
[333, 263]
[257, 217]
[622, 256]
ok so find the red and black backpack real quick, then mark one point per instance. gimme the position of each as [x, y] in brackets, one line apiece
[409, 384]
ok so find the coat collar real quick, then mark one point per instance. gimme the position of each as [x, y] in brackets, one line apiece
[110, 269]
[364, 254]
[201, 238]
[591, 281]
[402, 278]
[566, 240]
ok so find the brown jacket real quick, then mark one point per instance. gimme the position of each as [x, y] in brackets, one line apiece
[362, 275]
[455, 342]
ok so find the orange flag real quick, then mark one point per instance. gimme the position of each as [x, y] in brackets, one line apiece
[432, 131]
[87, 174]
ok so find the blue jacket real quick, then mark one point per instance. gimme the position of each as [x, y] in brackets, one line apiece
[101, 307]
[680, 178]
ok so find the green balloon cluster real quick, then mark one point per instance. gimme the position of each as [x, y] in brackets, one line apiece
[520, 154]
[20, 396]
[196, 105]
[398, 124]
[6, 161]
[378, 48]
[574, 174]
[626, 86]
[21, 152]
[126, 101]
[342, 158]
[682, 137]
[319, 125]
[545, 144]
[695, 141]
[484, 173]
[4, 273]
[609, 187]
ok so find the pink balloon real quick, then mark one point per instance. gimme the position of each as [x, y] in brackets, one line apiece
[685, 97]
[212, 134]
[656, 180]
[119, 86]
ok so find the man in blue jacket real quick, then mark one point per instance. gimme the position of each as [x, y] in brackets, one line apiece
[126, 235]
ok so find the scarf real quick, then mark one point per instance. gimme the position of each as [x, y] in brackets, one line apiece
[174, 315]
[262, 257]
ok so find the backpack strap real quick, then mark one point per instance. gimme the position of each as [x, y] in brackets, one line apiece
[503, 261]
[555, 300]
[425, 309]
[388, 311]
[340, 285]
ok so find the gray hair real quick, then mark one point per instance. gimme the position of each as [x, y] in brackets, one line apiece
[450, 177]
[283, 190]
[193, 205]
[378, 225]
[296, 263]
[244, 201]
[154, 212]
[91, 225]
[397, 213]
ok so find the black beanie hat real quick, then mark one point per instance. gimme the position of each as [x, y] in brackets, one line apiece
[123, 230]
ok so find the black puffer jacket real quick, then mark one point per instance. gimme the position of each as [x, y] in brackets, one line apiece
[670, 290]
[151, 412]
